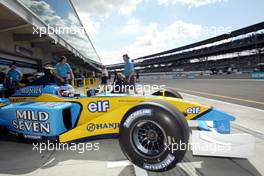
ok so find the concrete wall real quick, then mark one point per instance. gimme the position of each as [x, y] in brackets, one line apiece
[44, 54]
[7, 44]
[174, 76]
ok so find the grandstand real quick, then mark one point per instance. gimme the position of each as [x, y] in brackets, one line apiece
[240, 50]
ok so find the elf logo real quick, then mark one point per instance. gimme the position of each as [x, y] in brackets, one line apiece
[193, 110]
[99, 106]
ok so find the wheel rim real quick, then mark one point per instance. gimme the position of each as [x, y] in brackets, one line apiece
[148, 138]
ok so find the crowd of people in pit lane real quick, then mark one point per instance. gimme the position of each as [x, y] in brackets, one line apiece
[13, 78]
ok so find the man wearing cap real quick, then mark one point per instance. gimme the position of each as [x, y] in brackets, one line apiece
[62, 70]
[129, 72]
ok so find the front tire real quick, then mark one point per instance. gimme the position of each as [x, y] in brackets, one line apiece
[149, 133]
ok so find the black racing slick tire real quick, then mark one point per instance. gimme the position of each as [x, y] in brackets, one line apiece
[168, 93]
[154, 136]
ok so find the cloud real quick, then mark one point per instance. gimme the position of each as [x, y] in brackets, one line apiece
[132, 27]
[104, 8]
[151, 39]
[91, 26]
[191, 3]
[93, 12]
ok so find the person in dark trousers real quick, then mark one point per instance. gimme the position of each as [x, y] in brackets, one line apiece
[119, 83]
[109, 76]
[137, 77]
[115, 76]
[3, 89]
[104, 78]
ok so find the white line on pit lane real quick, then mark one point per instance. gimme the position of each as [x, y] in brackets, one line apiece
[114, 164]
[228, 103]
[258, 80]
[221, 96]
[124, 163]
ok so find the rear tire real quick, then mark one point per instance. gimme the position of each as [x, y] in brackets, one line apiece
[168, 93]
[149, 133]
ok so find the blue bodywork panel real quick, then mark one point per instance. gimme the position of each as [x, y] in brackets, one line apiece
[220, 118]
[34, 91]
[4, 101]
[203, 126]
[40, 118]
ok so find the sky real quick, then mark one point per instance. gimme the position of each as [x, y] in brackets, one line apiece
[143, 27]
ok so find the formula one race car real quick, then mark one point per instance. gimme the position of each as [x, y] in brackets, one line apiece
[150, 129]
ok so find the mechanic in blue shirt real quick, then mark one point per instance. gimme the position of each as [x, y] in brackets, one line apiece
[13, 74]
[62, 71]
[129, 72]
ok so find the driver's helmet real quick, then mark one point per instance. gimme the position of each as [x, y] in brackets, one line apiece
[65, 91]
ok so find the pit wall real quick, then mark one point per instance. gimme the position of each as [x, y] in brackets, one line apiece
[171, 76]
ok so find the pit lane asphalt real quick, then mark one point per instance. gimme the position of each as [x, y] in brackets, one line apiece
[239, 91]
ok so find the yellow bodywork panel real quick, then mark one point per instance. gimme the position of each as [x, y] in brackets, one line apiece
[89, 122]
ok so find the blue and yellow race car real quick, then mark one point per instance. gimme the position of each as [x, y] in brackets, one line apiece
[147, 126]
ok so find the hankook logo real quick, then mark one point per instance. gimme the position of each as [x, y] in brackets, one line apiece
[92, 127]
